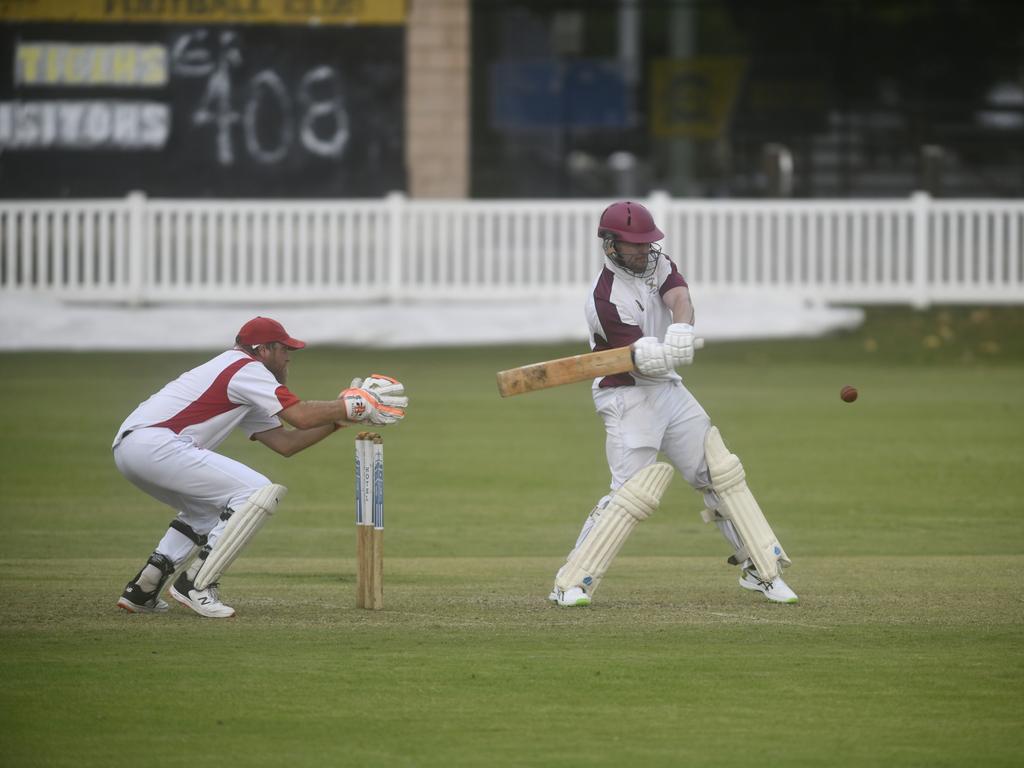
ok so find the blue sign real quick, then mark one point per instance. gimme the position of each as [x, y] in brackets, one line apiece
[551, 93]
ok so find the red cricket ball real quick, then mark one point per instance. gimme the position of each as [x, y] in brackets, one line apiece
[848, 394]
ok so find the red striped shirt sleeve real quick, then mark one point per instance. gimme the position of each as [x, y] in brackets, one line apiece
[285, 397]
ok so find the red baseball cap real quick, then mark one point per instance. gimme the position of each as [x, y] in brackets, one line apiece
[263, 330]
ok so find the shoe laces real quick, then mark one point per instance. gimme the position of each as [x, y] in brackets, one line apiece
[757, 577]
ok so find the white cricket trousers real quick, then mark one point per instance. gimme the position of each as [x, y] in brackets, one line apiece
[198, 483]
[640, 421]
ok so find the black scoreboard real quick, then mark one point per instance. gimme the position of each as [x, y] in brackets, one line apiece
[201, 110]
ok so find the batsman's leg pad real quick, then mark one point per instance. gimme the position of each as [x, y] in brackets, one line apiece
[739, 506]
[634, 501]
[243, 524]
[588, 526]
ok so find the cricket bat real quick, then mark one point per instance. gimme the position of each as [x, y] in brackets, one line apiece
[565, 370]
[568, 370]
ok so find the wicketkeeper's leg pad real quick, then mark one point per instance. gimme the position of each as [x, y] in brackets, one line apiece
[634, 501]
[243, 524]
[183, 543]
[738, 505]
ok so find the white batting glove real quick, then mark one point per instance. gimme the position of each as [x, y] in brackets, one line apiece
[650, 357]
[679, 344]
[361, 405]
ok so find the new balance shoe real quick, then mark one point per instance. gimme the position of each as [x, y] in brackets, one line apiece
[775, 590]
[134, 600]
[205, 602]
[569, 598]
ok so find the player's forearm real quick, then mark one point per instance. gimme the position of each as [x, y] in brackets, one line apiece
[314, 413]
[300, 439]
[679, 304]
[288, 442]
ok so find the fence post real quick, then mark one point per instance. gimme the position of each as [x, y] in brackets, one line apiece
[395, 207]
[137, 257]
[658, 204]
[921, 206]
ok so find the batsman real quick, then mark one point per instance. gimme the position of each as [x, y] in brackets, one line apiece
[640, 300]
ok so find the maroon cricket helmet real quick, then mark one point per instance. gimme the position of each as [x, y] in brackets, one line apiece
[629, 222]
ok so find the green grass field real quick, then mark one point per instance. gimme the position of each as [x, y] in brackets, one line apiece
[903, 513]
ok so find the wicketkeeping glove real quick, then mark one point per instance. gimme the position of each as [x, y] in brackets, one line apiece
[386, 389]
[679, 344]
[365, 400]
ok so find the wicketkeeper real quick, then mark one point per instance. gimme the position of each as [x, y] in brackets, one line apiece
[641, 300]
[166, 448]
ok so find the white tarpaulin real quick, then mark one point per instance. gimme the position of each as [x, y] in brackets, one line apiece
[43, 323]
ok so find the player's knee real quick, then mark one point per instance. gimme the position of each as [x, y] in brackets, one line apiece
[695, 472]
[702, 480]
[242, 494]
[687, 455]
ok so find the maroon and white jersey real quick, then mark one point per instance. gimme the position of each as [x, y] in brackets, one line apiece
[206, 403]
[623, 308]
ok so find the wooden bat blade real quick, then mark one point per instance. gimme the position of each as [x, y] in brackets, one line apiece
[565, 370]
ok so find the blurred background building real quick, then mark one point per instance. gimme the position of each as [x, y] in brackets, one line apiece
[862, 98]
[513, 98]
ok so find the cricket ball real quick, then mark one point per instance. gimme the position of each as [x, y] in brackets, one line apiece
[848, 394]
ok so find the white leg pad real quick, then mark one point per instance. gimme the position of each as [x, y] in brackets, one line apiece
[243, 525]
[634, 501]
[739, 506]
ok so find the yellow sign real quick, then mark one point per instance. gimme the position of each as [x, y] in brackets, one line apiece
[91, 64]
[693, 98]
[306, 12]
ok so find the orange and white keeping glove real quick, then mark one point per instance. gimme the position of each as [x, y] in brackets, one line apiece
[386, 389]
[377, 400]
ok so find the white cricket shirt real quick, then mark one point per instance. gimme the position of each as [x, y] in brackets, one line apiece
[206, 403]
[622, 308]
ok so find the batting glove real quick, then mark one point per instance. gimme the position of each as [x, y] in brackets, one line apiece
[679, 344]
[650, 357]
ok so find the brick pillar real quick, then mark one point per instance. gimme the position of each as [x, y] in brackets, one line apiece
[437, 98]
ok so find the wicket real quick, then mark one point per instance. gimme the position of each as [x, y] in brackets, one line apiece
[369, 521]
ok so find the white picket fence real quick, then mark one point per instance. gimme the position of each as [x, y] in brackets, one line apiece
[137, 250]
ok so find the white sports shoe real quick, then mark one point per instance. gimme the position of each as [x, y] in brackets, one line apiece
[775, 590]
[205, 602]
[569, 598]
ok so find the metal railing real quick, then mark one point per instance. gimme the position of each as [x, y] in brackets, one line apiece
[915, 251]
